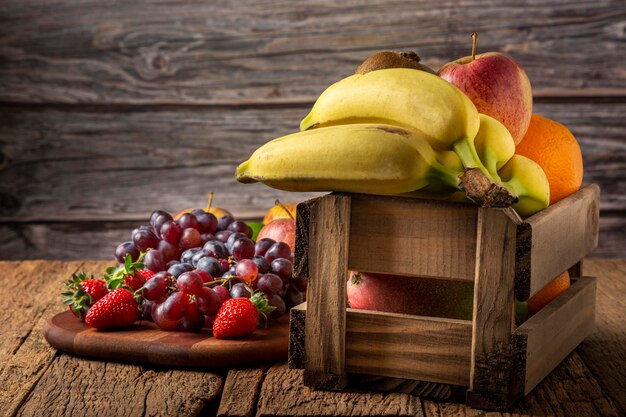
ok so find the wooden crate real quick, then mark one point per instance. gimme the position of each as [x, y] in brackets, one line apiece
[503, 255]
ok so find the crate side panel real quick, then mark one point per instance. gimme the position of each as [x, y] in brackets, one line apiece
[555, 239]
[411, 347]
[557, 329]
[412, 237]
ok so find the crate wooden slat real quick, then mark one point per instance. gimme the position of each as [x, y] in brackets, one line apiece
[551, 334]
[556, 238]
[438, 240]
[407, 345]
[325, 350]
[493, 316]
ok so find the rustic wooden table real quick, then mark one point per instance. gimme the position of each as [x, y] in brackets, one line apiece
[38, 380]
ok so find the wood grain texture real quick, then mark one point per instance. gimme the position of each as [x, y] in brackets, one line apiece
[241, 392]
[571, 390]
[81, 387]
[329, 240]
[551, 334]
[284, 394]
[555, 239]
[24, 354]
[404, 236]
[75, 172]
[604, 351]
[493, 310]
[269, 52]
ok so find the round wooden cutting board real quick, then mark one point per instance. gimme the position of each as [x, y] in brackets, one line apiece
[145, 342]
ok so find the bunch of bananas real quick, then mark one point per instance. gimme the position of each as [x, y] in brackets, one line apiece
[400, 131]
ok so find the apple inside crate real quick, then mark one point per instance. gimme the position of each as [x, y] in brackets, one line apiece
[501, 255]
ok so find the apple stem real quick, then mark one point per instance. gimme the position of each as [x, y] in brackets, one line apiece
[474, 40]
[209, 201]
[278, 203]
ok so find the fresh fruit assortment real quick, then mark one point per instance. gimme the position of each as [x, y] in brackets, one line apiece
[192, 272]
[396, 127]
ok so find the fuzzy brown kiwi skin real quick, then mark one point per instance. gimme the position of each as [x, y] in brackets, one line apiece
[392, 59]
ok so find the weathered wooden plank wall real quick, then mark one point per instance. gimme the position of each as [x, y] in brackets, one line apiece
[108, 110]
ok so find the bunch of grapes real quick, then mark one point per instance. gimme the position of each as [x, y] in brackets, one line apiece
[200, 261]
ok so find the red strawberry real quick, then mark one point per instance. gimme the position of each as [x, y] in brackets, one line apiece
[82, 292]
[117, 309]
[136, 280]
[131, 275]
[238, 317]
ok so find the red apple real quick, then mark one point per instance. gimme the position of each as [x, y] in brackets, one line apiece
[497, 85]
[280, 230]
[409, 295]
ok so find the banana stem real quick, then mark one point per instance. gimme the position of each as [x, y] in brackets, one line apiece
[466, 151]
[444, 175]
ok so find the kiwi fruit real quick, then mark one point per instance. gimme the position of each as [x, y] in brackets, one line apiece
[392, 59]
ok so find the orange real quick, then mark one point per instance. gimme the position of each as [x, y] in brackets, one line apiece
[555, 149]
[548, 293]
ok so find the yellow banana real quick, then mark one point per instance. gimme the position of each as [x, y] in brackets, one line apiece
[415, 100]
[494, 144]
[529, 182]
[358, 158]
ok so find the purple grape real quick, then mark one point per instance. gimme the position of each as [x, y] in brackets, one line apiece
[160, 220]
[126, 248]
[170, 252]
[209, 301]
[210, 265]
[232, 239]
[222, 292]
[206, 277]
[283, 268]
[278, 250]
[276, 301]
[224, 222]
[240, 290]
[223, 235]
[293, 296]
[241, 227]
[189, 282]
[205, 237]
[145, 239]
[196, 258]
[263, 245]
[155, 214]
[175, 306]
[269, 284]
[186, 256]
[262, 264]
[188, 221]
[146, 309]
[170, 231]
[155, 288]
[190, 239]
[207, 223]
[178, 269]
[243, 249]
[216, 249]
[193, 320]
[154, 261]
[172, 263]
